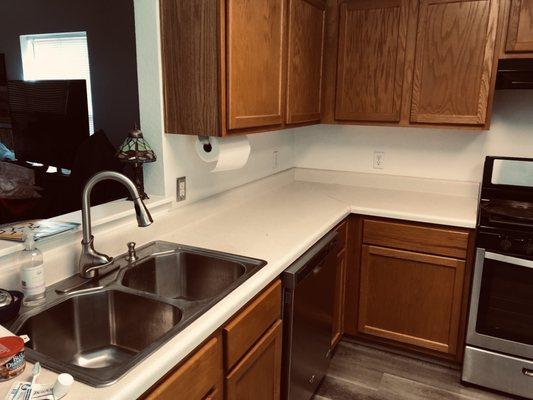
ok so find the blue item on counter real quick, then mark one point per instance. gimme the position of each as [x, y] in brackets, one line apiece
[6, 154]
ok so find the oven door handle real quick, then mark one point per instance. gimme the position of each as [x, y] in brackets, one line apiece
[509, 260]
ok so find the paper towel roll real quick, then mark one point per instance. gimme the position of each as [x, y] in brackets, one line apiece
[229, 153]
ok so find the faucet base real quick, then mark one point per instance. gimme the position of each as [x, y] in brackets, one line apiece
[91, 260]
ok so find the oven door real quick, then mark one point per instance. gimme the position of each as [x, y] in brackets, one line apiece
[501, 308]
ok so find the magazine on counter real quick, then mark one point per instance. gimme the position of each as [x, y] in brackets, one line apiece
[41, 228]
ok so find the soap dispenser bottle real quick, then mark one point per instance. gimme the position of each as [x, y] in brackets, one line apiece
[32, 271]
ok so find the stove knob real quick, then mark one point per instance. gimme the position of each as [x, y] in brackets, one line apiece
[505, 243]
[528, 247]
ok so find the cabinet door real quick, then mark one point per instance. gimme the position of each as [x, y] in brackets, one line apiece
[520, 30]
[307, 20]
[411, 298]
[198, 379]
[338, 302]
[372, 43]
[255, 60]
[257, 376]
[454, 63]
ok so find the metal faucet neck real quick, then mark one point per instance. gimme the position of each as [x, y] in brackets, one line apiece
[91, 259]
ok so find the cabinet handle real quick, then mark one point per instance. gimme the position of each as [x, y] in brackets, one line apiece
[527, 372]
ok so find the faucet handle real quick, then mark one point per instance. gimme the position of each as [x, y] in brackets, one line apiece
[132, 254]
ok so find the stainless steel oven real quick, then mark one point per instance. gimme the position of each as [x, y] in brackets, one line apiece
[501, 309]
[499, 351]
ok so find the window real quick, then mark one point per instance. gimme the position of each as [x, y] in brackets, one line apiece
[58, 56]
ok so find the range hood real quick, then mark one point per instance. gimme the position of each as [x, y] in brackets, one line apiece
[515, 74]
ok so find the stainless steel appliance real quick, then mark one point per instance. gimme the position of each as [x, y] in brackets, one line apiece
[499, 351]
[308, 292]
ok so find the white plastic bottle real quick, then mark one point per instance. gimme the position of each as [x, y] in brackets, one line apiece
[32, 272]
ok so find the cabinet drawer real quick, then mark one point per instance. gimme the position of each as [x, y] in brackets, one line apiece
[245, 329]
[258, 374]
[198, 379]
[440, 241]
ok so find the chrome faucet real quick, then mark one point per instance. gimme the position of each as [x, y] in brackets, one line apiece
[91, 261]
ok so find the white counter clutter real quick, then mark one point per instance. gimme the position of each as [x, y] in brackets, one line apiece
[275, 219]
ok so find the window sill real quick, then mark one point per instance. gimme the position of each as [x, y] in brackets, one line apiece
[101, 215]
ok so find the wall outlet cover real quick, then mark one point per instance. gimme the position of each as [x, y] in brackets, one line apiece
[181, 189]
[379, 159]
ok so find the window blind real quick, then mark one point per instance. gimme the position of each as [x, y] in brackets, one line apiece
[57, 57]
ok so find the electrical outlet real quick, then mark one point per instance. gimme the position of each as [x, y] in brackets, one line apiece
[379, 160]
[275, 161]
[181, 189]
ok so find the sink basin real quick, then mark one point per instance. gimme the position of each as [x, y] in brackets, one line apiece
[184, 275]
[99, 331]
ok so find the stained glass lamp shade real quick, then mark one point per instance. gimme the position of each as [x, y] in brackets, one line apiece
[136, 151]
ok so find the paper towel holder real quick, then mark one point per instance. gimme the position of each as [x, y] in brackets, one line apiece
[206, 143]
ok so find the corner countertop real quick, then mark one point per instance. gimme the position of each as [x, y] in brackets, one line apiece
[277, 219]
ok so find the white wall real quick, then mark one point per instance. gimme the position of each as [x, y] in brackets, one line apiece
[432, 153]
[176, 153]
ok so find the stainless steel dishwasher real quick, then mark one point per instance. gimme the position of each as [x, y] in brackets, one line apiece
[308, 291]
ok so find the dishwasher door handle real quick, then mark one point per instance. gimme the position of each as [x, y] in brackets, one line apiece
[319, 267]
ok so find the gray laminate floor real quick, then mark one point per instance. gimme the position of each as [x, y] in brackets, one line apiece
[363, 373]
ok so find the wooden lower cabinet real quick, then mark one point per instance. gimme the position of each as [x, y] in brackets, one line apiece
[340, 281]
[250, 344]
[338, 302]
[199, 378]
[411, 298]
[257, 376]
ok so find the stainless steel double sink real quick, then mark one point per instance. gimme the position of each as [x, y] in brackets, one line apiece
[99, 329]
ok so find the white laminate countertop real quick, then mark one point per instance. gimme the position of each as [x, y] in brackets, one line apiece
[277, 219]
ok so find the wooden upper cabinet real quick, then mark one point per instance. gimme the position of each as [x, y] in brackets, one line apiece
[371, 55]
[520, 28]
[190, 62]
[307, 20]
[454, 61]
[255, 57]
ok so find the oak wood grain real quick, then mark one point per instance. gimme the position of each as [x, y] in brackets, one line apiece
[198, 378]
[353, 271]
[255, 47]
[372, 44]
[190, 63]
[454, 61]
[438, 240]
[307, 20]
[338, 301]
[520, 28]
[257, 376]
[252, 322]
[411, 298]
[340, 283]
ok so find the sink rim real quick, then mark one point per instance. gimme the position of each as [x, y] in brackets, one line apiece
[190, 310]
[83, 374]
[227, 257]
